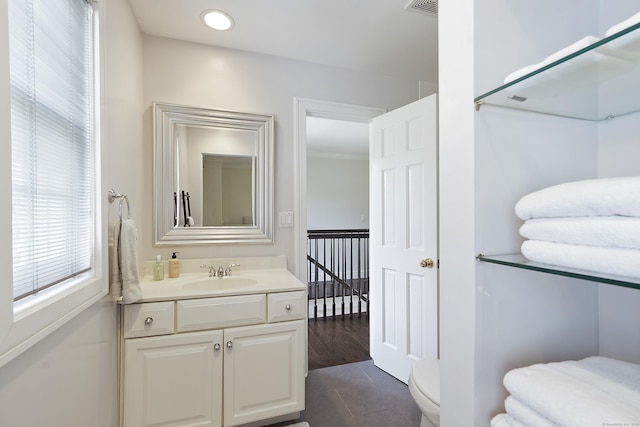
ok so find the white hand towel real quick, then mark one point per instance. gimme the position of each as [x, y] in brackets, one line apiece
[618, 261]
[569, 394]
[615, 231]
[126, 261]
[593, 197]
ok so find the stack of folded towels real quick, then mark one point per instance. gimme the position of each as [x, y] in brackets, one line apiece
[591, 225]
[596, 391]
[607, 61]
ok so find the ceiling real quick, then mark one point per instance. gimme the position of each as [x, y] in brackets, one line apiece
[377, 36]
[373, 36]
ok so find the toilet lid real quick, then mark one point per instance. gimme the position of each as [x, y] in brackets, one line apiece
[426, 375]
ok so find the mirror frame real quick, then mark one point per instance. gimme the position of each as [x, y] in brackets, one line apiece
[165, 118]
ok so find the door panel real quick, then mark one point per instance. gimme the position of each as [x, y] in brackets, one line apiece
[257, 387]
[403, 232]
[173, 380]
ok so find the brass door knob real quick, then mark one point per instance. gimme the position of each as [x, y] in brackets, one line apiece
[426, 263]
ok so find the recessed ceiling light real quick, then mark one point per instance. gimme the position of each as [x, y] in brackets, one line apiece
[217, 20]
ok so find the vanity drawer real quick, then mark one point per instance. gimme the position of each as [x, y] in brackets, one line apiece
[221, 312]
[285, 306]
[152, 318]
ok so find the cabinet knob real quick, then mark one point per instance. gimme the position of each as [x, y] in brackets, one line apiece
[216, 346]
[288, 307]
[148, 320]
[426, 263]
[229, 344]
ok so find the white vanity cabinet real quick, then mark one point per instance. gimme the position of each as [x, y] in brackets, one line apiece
[222, 361]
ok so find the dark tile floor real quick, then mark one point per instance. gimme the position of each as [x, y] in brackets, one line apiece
[357, 395]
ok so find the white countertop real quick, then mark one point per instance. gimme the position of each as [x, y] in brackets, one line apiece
[264, 276]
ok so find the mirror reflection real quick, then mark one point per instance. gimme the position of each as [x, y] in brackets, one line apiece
[216, 173]
[213, 176]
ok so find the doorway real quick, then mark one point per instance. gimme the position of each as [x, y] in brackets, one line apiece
[346, 339]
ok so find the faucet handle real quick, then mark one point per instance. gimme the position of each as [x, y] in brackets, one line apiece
[227, 271]
[212, 269]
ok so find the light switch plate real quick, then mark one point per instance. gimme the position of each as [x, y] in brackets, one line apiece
[286, 219]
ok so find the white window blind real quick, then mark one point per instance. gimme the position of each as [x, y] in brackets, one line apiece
[52, 142]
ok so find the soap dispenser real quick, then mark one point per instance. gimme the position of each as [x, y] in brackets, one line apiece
[158, 269]
[174, 266]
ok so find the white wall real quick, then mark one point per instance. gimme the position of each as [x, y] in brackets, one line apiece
[197, 75]
[337, 193]
[70, 378]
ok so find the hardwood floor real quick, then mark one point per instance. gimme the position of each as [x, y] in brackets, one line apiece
[338, 341]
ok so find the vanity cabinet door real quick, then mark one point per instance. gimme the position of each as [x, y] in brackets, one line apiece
[173, 380]
[264, 367]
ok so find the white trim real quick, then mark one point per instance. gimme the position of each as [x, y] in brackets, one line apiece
[20, 329]
[303, 108]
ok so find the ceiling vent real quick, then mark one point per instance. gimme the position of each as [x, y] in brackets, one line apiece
[423, 6]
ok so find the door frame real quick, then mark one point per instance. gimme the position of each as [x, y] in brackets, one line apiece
[303, 108]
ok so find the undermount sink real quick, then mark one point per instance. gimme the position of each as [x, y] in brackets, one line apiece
[215, 283]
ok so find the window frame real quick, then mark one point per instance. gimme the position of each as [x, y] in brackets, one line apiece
[25, 322]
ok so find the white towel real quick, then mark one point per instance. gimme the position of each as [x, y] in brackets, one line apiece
[617, 261]
[634, 19]
[124, 269]
[615, 231]
[502, 420]
[592, 66]
[570, 394]
[593, 197]
[523, 414]
[574, 47]
[626, 46]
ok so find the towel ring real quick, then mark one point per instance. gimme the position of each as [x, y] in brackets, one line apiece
[122, 197]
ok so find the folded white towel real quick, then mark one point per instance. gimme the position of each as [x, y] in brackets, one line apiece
[521, 72]
[569, 394]
[524, 415]
[572, 48]
[588, 68]
[592, 197]
[125, 262]
[615, 231]
[580, 44]
[617, 261]
[634, 19]
[505, 420]
[624, 376]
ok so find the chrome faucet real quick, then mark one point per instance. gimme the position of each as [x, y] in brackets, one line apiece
[227, 271]
[220, 272]
[212, 270]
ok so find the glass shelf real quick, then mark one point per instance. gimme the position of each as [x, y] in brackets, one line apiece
[519, 261]
[598, 82]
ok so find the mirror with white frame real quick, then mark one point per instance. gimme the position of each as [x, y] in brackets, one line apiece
[213, 176]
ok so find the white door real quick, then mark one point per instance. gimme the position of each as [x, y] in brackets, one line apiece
[403, 237]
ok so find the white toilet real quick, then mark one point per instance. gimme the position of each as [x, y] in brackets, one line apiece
[424, 386]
